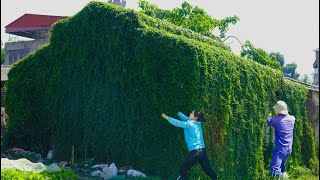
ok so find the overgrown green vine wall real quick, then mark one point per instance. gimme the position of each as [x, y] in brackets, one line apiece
[108, 74]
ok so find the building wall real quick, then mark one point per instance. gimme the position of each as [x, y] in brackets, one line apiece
[3, 94]
[3, 120]
[316, 69]
[118, 2]
[316, 77]
[18, 50]
[313, 111]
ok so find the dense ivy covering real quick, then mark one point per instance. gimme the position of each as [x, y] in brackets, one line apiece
[108, 74]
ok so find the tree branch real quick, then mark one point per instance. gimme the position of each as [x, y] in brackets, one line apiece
[235, 38]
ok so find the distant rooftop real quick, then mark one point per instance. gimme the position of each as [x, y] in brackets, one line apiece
[34, 26]
[118, 2]
[308, 86]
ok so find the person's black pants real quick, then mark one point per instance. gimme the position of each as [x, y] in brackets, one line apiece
[197, 155]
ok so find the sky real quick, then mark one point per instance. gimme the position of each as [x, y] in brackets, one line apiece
[290, 27]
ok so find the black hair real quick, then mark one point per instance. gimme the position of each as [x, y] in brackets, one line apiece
[199, 115]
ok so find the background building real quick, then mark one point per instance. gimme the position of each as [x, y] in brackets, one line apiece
[118, 2]
[316, 69]
[33, 26]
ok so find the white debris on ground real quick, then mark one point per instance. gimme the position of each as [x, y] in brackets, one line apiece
[107, 172]
[132, 172]
[100, 166]
[50, 154]
[97, 173]
[103, 171]
[24, 164]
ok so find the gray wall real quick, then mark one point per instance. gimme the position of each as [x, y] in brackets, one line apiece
[316, 70]
[18, 50]
[313, 111]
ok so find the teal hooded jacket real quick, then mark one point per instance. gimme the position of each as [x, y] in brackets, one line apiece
[192, 131]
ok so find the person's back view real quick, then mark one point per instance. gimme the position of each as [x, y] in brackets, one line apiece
[283, 124]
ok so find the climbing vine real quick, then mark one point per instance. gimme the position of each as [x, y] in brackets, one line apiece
[100, 85]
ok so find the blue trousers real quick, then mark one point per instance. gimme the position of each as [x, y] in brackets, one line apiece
[279, 159]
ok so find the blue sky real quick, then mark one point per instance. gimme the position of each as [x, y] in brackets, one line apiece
[290, 27]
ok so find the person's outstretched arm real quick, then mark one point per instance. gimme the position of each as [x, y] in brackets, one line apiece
[270, 120]
[176, 122]
[182, 116]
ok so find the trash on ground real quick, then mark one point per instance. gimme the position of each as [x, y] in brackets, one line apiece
[64, 164]
[100, 166]
[50, 154]
[133, 172]
[112, 172]
[24, 164]
[96, 173]
[114, 169]
[124, 170]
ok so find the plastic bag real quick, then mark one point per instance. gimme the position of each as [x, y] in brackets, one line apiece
[132, 172]
[22, 164]
[96, 173]
[53, 168]
[100, 166]
[26, 165]
[50, 154]
[114, 169]
[107, 173]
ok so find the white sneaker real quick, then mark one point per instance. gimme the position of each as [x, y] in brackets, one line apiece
[284, 176]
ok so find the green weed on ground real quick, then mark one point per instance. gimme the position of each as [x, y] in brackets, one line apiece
[44, 175]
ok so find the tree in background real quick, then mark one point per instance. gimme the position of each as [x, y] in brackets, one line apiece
[2, 53]
[189, 17]
[198, 20]
[259, 55]
[290, 70]
[279, 57]
[305, 78]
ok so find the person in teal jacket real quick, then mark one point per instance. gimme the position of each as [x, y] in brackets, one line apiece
[195, 142]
